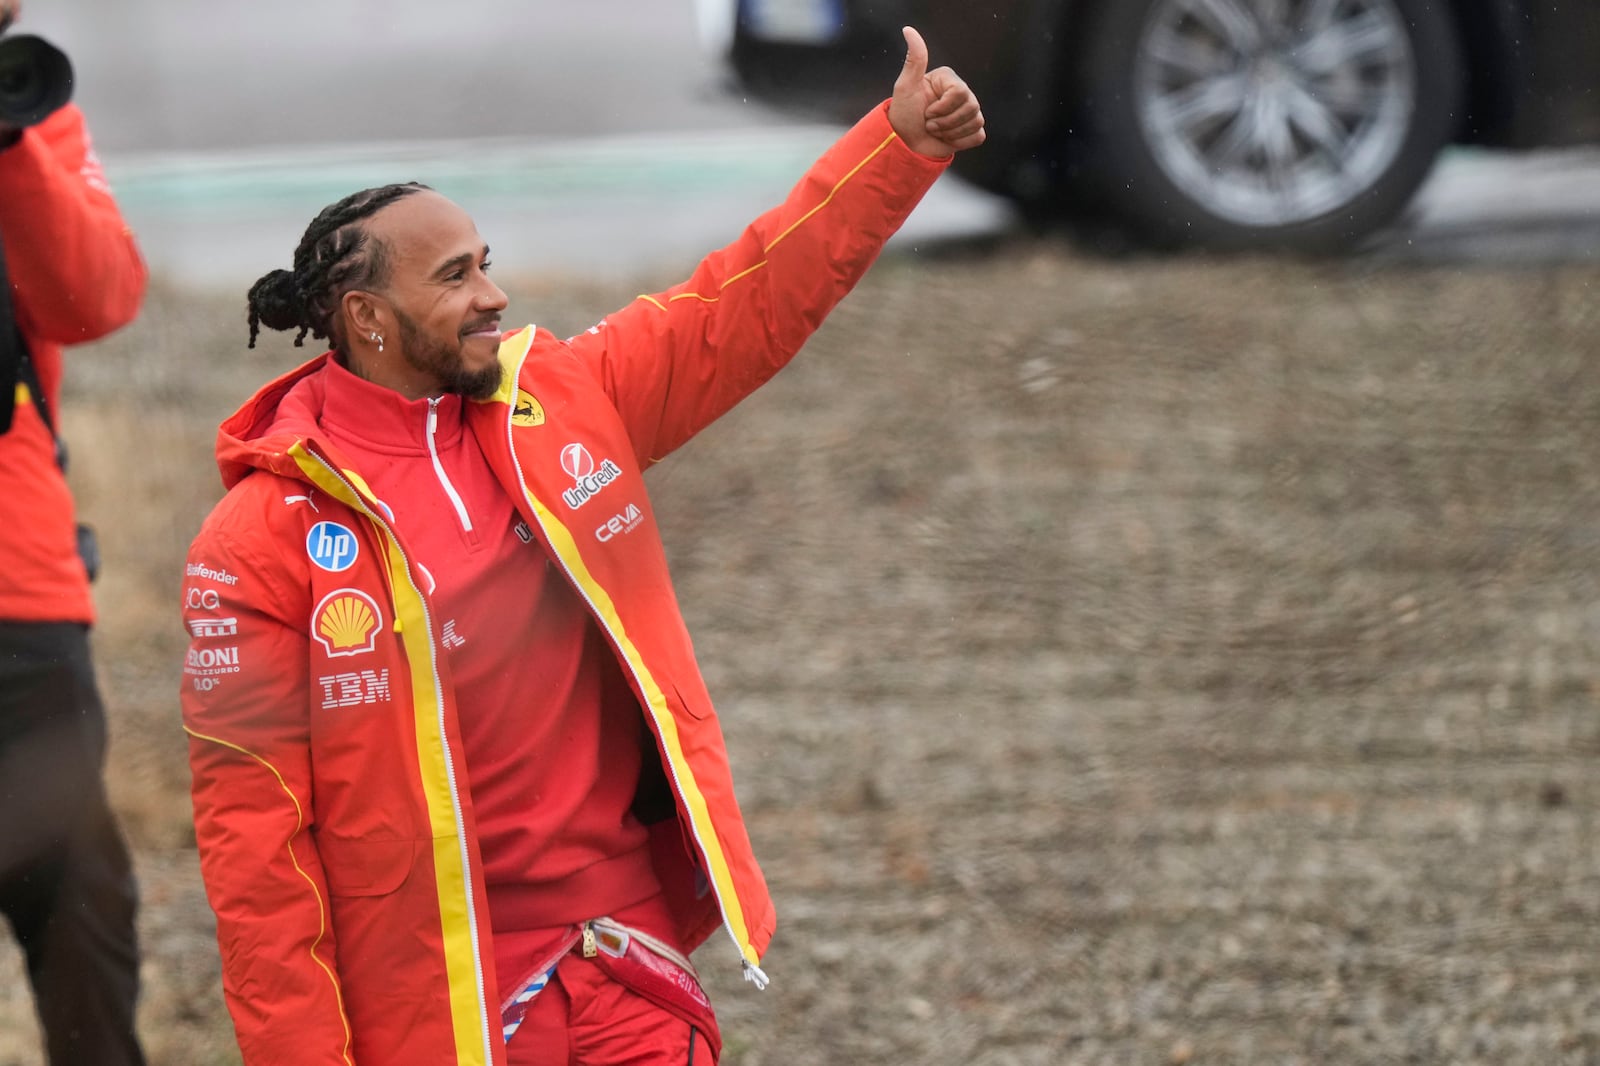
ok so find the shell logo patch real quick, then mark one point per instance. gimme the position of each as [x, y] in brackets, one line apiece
[346, 622]
[528, 411]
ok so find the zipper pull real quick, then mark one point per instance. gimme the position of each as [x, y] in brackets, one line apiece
[433, 415]
[590, 948]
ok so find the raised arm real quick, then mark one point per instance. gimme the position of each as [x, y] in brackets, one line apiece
[676, 360]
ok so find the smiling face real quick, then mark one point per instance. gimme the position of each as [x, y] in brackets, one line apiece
[437, 310]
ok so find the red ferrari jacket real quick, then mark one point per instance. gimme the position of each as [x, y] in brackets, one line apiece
[335, 831]
[76, 275]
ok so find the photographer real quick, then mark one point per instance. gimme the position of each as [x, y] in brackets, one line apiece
[73, 273]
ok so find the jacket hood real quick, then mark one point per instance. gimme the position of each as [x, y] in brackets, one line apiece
[259, 434]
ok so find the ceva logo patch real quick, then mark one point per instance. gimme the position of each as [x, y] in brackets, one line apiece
[332, 546]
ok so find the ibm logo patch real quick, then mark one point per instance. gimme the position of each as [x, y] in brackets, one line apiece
[355, 688]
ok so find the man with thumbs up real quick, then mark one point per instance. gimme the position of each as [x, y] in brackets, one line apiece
[460, 794]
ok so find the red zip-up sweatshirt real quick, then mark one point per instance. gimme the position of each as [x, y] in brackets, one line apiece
[76, 275]
[551, 732]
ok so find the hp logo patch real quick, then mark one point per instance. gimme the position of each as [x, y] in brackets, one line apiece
[331, 546]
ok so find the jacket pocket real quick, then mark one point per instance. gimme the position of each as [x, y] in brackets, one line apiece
[695, 709]
[366, 867]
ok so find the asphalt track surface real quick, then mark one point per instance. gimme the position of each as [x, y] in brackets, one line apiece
[596, 139]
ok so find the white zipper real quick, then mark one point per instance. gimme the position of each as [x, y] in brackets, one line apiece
[438, 467]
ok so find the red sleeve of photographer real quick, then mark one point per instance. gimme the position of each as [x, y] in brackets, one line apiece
[76, 273]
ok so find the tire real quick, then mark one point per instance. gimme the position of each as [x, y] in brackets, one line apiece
[1300, 125]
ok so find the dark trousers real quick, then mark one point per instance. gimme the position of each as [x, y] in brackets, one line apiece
[66, 883]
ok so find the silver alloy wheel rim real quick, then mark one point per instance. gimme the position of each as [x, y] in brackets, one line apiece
[1274, 112]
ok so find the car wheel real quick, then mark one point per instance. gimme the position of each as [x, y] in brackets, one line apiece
[1293, 124]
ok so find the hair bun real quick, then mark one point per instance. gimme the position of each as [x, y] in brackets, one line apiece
[276, 301]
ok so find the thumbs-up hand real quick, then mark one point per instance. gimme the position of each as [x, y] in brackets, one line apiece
[934, 112]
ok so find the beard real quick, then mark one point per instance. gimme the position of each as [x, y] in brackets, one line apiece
[444, 362]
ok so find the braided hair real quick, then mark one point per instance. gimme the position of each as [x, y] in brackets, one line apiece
[335, 256]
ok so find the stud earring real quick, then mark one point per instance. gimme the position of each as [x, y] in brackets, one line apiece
[379, 340]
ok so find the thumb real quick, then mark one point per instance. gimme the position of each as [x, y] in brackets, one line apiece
[916, 65]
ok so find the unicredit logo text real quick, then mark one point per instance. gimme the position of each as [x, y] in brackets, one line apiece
[576, 461]
[588, 479]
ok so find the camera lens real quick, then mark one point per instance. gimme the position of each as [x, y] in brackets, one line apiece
[35, 80]
[19, 81]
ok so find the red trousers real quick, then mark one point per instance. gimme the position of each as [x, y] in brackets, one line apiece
[584, 1018]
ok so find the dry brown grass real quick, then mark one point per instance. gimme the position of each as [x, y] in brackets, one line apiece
[1138, 662]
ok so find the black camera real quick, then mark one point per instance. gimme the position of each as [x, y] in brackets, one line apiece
[35, 79]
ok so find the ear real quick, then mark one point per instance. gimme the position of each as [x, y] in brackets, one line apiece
[364, 314]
